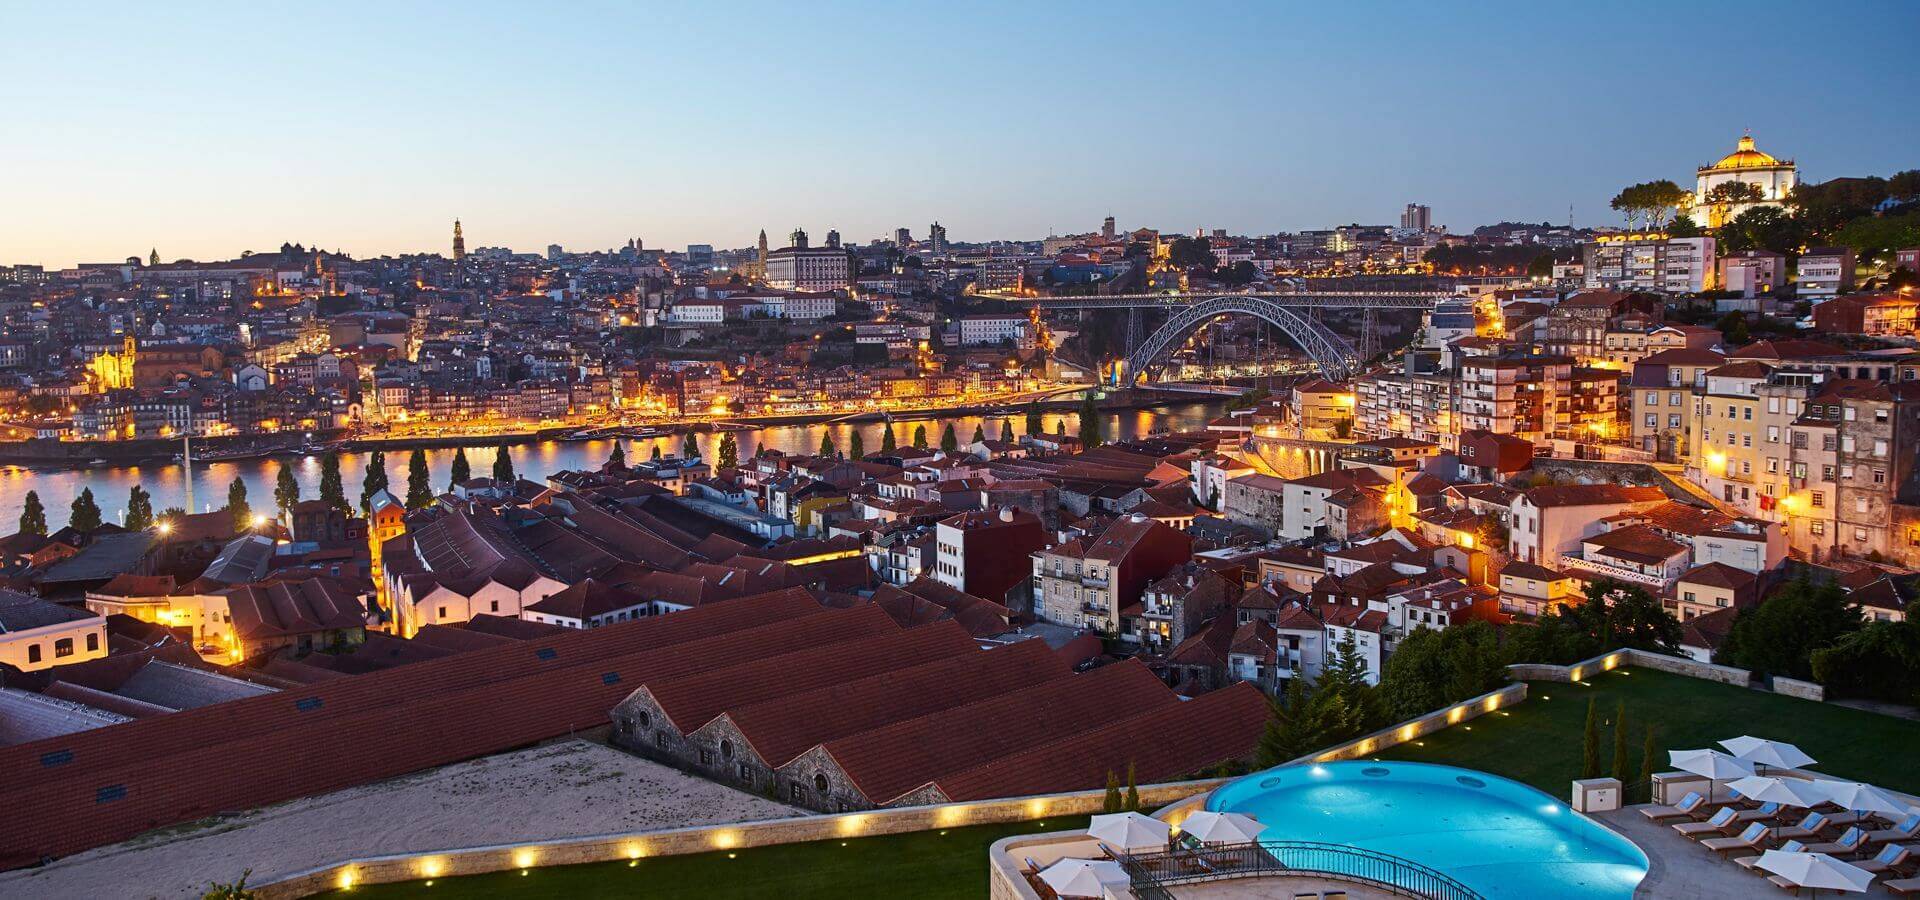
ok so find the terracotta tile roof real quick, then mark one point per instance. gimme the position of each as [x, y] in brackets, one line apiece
[285, 608]
[888, 762]
[105, 785]
[1161, 744]
[1553, 495]
[1637, 543]
[693, 700]
[782, 729]
[1718, 575]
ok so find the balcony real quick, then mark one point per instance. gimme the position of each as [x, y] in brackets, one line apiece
[1608, 570]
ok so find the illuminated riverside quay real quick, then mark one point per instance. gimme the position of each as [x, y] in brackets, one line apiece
[57, 487]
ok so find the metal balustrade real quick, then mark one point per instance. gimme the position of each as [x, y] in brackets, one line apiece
[1151, 874]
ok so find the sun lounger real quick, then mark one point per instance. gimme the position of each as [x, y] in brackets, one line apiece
[1904, 830]
[1726, 821]
[1853, 842]
[1892, 857]
[1748, 862]
[1903, 886]
[1808, 829]
[1766, 813]
[1692, 806]
[1751, 839]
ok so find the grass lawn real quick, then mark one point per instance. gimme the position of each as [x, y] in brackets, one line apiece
[929, 864]
[1539, 742]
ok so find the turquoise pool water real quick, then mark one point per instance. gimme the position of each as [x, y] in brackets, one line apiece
[1499, 837]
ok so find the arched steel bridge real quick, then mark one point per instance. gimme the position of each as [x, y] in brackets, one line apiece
[1336, 357]
[1298, 299]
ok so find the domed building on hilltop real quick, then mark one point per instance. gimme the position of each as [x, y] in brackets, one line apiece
[1773, 178]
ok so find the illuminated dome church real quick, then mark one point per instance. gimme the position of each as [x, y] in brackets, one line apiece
[1772, 178]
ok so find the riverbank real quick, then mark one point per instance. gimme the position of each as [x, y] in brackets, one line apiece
[53, 455]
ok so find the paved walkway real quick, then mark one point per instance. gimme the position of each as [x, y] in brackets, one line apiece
[1271, 888]
[1680, 868]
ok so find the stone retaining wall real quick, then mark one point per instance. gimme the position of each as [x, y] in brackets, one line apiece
[1677, 665]
[674, 842]
[1805, 690]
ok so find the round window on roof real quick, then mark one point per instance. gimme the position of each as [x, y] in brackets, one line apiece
[726, 749]
[646, 719]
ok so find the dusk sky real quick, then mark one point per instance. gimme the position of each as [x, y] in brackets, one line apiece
[207, 130]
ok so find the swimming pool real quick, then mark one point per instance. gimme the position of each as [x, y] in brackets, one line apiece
[1499, 837]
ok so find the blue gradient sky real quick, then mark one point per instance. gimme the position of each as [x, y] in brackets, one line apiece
[205, 130]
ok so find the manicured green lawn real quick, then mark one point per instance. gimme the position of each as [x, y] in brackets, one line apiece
[928, 864]
[1539, 742]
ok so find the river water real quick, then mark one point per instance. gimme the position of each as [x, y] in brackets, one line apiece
[535, 462]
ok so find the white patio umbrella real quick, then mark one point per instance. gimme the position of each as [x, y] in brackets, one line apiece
[1784, 791]
[1861, 797]
[1716, 766]
[1815, 871]
[1083, 877]
[1779, 754]
[1130, 832]
[1210, 827]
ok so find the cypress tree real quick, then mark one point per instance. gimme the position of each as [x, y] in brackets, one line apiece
[286, 491]
[139, 509]
[1133, 790]
[1006, 430]
[503, 465]
[1034, 425]
[887, 442]
[33, 516]
[729, 452]
[331, 490]
[1590, 744]
[856, 448]
[1620, 759]
[826, 445]
[689, 449]
[84, 514]
[655, 456]
[419, 489]
[979, 433]
[618, 458]
[949, 441]
[374, 481]
[237, 506]
[1112, 802]
[1090, 424]
[1648, 759]
[920, 436]
[462, 470]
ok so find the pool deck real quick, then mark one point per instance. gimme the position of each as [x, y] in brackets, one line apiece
[1270, 888]
[1678, 867]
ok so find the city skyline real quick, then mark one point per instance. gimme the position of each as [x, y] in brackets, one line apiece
[677, 133]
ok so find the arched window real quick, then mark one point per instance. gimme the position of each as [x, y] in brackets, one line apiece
[646, 719]
[820, 783]
[726, 749]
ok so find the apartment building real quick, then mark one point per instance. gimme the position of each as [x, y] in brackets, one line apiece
[1659, 396]
[1824, 272]
[1418, 405]
[1649, 262]
[1087, 582]
[1525, 396]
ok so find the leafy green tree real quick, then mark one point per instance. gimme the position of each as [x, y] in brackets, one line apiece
[33, 516]
[1879, 662]
[949, 441]
[1541, 266]
[1730, 192]
[139, 509]
[826, 445]
[419, 489]
[888, 443]
[1648, 202]
[332, 491]
[286, 491]
[1761, 228]
[1191, 253]
[84, 514]
[1733, 327]
[503, 465]
[1613, 616]
[856, 448]
[1091, 425]
[1620, 758]
[237, 506]
[462, 470]
[1877, 237]
[729, 452]
[1779, 636]
[1034, 425]
[1590, 743]
[1432, 668]
[920, 436]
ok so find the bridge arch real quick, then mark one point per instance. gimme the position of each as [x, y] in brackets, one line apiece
[1336, 357]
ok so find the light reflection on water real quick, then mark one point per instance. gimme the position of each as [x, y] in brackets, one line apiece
[57, 488]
